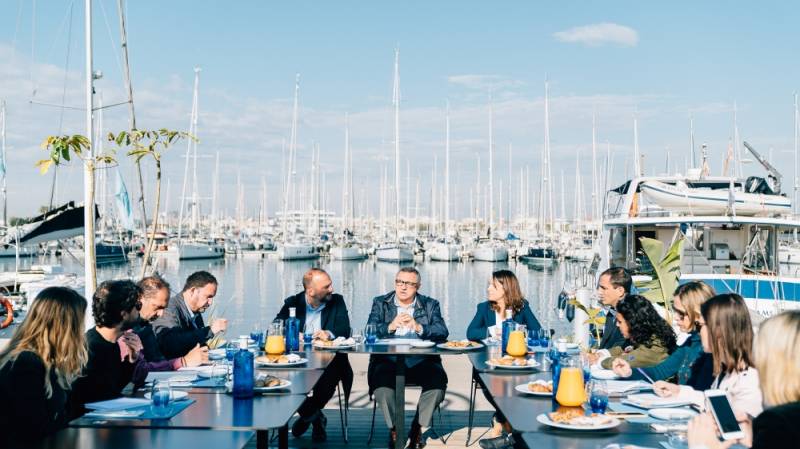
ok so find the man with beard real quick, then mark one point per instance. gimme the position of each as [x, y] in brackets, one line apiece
[155, 296]
[115, 307]
[324, 314]
[181, 328]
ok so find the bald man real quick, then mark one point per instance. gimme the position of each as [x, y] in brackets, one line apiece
[325, 313]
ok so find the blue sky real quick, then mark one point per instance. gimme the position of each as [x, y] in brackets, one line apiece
[662, 62]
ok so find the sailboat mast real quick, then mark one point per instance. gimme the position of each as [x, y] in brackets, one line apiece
[595, 202]
[637, 159]
[90, 269]
[396, 103]
[796, 138]
[3, 160]
[446, 171]
[491, 166]
[190, 142]
[290, 160]
[547, 188]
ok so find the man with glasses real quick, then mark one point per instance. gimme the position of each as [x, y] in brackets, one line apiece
[323, 314]
[404, 313]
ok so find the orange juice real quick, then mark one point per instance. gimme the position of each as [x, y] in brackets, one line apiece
[517, 344]
[571, 391]
[275, 345]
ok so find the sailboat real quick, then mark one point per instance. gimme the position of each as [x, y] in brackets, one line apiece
[396, 251]
[192, 247]
[293, 247]
[9, 247]
[445, 249]
[347, 248]
[490, 250]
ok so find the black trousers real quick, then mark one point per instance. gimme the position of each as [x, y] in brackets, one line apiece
[338, 370]
[428, 374]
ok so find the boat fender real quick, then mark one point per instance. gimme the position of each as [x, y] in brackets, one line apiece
[4, 302]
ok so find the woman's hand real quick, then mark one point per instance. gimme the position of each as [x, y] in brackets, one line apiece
[703, 432]
[666, 389]
[621, 367]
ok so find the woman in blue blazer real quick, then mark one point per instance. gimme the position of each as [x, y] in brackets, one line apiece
[503, 293]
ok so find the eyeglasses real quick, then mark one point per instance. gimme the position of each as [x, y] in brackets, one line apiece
[409, 284]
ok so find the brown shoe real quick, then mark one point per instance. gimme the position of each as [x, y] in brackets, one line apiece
[415, 440]
[392, 438]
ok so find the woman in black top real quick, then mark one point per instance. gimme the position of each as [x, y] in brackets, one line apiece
[776, 352]
[43, 358]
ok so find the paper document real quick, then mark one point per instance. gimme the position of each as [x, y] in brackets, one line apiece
[117, 404]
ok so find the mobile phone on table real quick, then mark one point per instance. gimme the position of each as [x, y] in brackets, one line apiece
[723, 414]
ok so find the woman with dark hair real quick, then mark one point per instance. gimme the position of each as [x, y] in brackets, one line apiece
[650, 338]
[686, 307]
[503, 293]
[727, 333]
[37, 368]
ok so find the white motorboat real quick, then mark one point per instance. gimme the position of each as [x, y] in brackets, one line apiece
[681, 198]
[443, 252]
[296, 251]
[349, 251]
[394, 252]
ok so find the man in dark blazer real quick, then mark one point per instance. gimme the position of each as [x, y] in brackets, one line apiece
[614, 284]
[325, 313]
[180, 328]
[404, 313]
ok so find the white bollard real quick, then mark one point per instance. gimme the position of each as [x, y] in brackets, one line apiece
[579, 327]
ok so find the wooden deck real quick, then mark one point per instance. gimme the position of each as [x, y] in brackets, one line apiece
[450, 424]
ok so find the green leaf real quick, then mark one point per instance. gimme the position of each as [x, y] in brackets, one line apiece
[667, 271]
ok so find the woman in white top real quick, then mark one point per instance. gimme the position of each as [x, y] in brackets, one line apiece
[727, 333]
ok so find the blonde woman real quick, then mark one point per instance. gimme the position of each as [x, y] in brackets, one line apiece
[686, 307]
[777, 358]
[43, 358]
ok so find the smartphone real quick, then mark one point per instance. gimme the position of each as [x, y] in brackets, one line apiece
[723, 414]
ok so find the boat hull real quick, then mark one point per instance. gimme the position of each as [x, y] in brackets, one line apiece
[713, 202]
[443, 252]
[394, 254]
[296, 252]
[348, 253]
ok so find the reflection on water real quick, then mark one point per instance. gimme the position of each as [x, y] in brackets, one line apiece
[252, 290]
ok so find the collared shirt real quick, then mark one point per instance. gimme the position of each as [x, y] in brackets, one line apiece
[403, 331]
[192, 315]
[314, 319]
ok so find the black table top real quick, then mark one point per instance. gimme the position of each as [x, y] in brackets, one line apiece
[126, 438]
[588, 440]
[217, 412]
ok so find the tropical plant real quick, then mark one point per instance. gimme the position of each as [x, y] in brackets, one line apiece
[666, 271]
[62, 149]
[143, 144]
[595, 318]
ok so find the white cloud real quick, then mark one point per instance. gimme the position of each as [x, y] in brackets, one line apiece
[484, 82]
[599, 34]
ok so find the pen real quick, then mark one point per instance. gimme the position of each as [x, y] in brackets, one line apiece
[649, 379]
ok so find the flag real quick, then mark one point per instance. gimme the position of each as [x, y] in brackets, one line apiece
[123, 202]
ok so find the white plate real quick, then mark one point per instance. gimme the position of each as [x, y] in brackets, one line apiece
[604, 374]
[544, 419]
[210, 371]
[182, 379]
[173, 397]
[531, 364]
[421, 343]
[277, 365]
[216, 354]
[468, 348]
[344, 346]
[523, 388]
[672, 414]
[283, 385]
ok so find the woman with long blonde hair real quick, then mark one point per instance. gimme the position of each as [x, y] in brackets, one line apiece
[45, 355]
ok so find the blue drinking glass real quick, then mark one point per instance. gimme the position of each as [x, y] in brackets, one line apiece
[370, 334]
[599, 399]
[160, 396]
[230, 350]
[533, 338]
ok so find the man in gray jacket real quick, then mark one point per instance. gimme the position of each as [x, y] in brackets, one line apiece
[180, 328]
[403, 313]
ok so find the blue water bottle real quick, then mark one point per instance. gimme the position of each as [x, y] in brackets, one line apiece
[292, 331]
[561, 352]
[243, 376]
[508, 326]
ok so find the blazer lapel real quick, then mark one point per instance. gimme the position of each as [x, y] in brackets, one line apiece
[326, 315]
[300, 309]
[491, 317]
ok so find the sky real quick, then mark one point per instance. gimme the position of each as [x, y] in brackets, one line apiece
[661, 63]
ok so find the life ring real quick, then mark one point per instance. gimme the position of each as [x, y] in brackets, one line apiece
[9, 312]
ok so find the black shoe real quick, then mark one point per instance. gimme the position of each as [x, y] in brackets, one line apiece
[318, 433]
[392, 438]
[500, 442]
[300, 426]
[415, 437]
